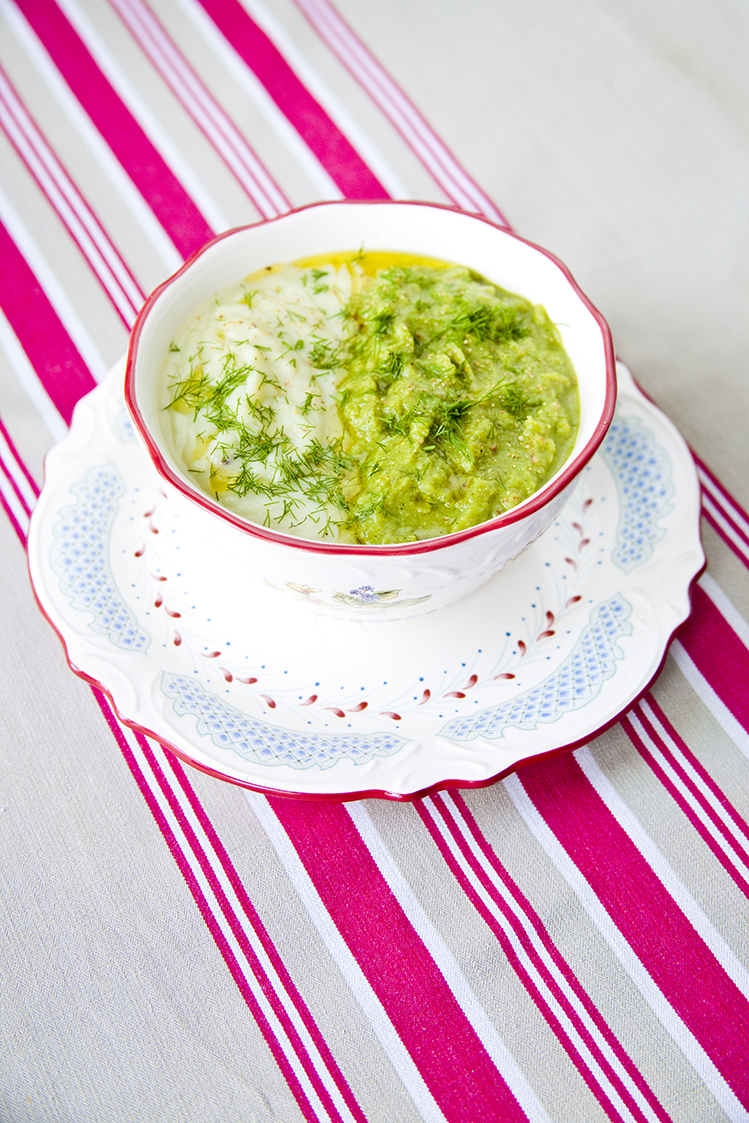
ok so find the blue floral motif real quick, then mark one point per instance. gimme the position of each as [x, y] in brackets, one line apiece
[253, 740]
[365, 594]
[79, 558]
[125, 427]
[642, 471]
[573, 685]
[368, 597]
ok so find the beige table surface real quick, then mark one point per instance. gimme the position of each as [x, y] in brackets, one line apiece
[616, 135]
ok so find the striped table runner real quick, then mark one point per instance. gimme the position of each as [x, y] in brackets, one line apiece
[570, 944]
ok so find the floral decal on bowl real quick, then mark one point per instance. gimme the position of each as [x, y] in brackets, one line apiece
[305, 590]
[366, 597]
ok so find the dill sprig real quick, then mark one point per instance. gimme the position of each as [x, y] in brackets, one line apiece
[494, 323]
[324, 355]
[517, 403]
[382, 321]
[390, 369]
[317, 277]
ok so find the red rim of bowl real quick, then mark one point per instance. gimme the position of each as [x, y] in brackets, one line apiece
[529, 506]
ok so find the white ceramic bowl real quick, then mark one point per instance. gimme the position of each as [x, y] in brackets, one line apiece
[214, 547]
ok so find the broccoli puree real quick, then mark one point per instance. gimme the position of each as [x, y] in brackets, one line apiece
[458, 402]
[372, 397]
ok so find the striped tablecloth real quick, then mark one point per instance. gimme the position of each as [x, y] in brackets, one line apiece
[569, 944]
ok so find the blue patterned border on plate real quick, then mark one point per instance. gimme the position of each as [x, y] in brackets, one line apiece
[642, 471]
[79, 558]
[253, 740]
[574, 684]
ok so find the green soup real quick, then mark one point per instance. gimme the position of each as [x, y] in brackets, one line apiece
[444, 401]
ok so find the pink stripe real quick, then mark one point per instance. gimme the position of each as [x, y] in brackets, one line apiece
[516, 964]
[167, 198]
[558, 959]
[20, 532]
[204, 907]
[704, 775]
[729, 504]
[14, 486]
[400, 970]
[691, 815]
[336, 154]
[714, 495]
[261, 933]
[707, 812]
[239, 934]
[718, 654]
[398, 108]
[742, 555]
[43, 152]
[60, 368]
[161, 50]
[675, 956]
[17, 459]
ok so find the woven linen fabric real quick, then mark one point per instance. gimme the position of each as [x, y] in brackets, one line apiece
[568, 944]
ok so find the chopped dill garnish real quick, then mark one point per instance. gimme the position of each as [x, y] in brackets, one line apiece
[433, 387]
[517, 402]
[496, 323]
[390, 369]
[269, 380]
[382, 322]
[309, 399]
[317, 275]
[324, 355]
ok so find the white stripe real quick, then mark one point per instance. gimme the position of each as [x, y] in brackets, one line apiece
[729, 531]
[529, 964]
[254, 88]
[727, 610]
[705, 692]
[440, 162]
[44, 69]
[663, 870]
[218, 916]
[386, 95]
[53, 289]
[160, 139]
[217, 126]
[14, 503]
[674, 1026]
[729, 507]
[337, 112]
[253, 939]
[68, 203]
[29, 379]
[350, 970]
[707, 794]
[13, 468]
[447, 964]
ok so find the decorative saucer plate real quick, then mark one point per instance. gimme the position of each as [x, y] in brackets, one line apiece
[277, 697]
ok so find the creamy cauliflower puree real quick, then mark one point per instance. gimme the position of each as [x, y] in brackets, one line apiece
[369, 398]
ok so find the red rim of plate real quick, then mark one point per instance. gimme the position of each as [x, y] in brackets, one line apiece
[371, 793]
[529, 506]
